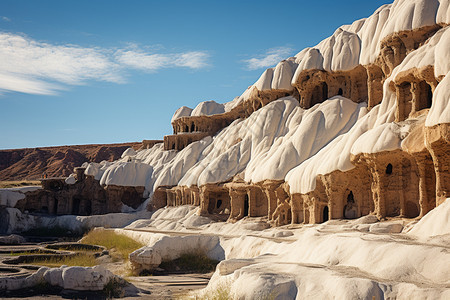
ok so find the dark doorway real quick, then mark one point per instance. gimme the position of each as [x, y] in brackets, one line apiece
[319, 94]
[219, 204]
[429, 94]
[246, 205]
[425, 96]
[340, 92]
[55, 206]
[325, 214]
[88, 207]
[350, 207]
[76, 205]
[192, 127]
[389, 169]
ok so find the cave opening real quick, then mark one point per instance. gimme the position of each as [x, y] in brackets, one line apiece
[350, 207]
[340, 92]
[192, 127]
[389, 169]
[325, 214]
[246, 205]
[425, 96]
[319, 94]
[55, 207]
[76, 205]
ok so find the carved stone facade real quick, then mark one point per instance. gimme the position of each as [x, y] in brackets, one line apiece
[190, 129]
[414, 89]
[407, 182]
[386, 184]
[85, 197]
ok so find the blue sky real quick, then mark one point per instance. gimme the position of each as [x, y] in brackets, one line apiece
[87, 72]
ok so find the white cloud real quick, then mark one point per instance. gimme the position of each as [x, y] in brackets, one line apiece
[33, 67]
[141, 60]
[40, 68]
[6, 19]
[270, 58]
[193, 60]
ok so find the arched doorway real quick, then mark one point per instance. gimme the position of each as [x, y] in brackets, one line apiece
[350, 209]
[325, 214]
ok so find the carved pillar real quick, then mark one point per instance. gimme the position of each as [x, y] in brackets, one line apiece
[375, 79]
[297, 209]
[204, 200]
[377, 191]
[437, 139]
[269, 190]
[237, 198]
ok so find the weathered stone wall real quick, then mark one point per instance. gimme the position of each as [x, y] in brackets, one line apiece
[85, 197]
[147, 144]
[386, 184]
[180, 141]
[414, 89]
[190, 129]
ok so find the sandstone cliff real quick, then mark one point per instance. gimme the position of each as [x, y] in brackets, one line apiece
[31, 163]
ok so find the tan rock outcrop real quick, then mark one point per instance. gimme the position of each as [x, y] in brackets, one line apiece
[315, 86]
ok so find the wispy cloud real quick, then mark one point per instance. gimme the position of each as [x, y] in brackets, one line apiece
[145, 61]
[6, 19]
[33, 67]
[270, 58]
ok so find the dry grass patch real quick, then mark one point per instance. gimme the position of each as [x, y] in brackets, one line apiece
[80, 259]
[119, 245]
[18, 183]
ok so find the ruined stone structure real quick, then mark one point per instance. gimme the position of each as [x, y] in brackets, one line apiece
[407, 182]
[414, 89]
[85, 197]
[194, 128]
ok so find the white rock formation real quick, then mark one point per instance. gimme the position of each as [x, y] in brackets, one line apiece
[71, 278]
